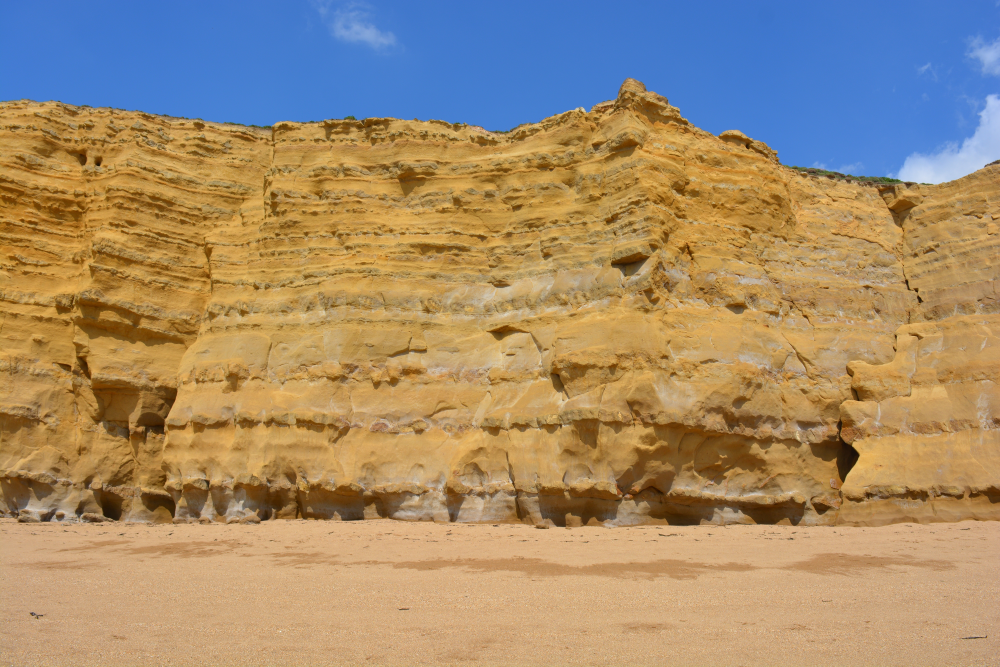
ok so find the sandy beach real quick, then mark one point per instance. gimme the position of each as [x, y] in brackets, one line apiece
[394, 593]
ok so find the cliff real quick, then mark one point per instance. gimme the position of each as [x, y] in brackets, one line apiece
[607, 316]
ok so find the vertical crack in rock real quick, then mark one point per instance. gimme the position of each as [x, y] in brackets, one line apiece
[609, 316]
[924, 425]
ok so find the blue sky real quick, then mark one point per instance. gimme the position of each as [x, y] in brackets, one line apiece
[870, 88]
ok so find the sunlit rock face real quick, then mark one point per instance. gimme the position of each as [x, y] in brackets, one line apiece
[608, 316]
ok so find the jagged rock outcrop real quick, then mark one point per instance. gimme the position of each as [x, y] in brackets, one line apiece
[607, 316]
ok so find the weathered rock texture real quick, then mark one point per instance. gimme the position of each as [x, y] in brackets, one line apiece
[606, 316]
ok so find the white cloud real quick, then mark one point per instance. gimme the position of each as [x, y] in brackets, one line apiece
[854, 168]
[954, 161]
[988, 55]
[927, 68]
[351, 23]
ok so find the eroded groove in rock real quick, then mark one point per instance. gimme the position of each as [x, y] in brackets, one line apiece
[608, 316]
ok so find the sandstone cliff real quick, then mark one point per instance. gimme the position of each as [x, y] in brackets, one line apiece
[607, 316]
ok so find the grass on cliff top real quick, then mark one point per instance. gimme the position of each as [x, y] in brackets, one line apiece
[259, 127]
[836, 174]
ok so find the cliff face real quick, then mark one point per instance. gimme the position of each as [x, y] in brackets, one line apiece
[607, 316]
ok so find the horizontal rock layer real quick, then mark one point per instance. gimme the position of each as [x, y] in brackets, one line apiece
[608, 316]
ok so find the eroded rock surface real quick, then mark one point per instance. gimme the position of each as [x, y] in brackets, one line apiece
[607, 316]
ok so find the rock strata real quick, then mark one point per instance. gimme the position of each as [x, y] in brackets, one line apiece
[610, 316]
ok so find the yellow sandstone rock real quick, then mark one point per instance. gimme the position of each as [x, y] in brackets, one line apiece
[607, 316]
